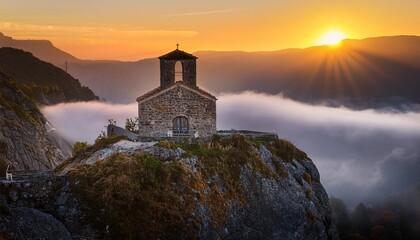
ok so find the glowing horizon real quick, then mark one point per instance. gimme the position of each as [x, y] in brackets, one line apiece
[332, 38]
[134, 30]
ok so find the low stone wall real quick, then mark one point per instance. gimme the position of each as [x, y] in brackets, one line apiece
[115, 130]
[119, 131]
[247, 133]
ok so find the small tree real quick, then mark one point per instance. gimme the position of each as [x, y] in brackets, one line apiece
[132, 125]
[100, 136]
[111, 121]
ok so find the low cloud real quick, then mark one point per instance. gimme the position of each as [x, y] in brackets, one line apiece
[84, 121]
[25, 30]
[360, 154]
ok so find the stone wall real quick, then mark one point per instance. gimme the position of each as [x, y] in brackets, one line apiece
[157, 113]
[246, 133]
[119, 131]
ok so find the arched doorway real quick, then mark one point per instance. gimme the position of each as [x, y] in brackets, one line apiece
[179, 71]
[180, 126]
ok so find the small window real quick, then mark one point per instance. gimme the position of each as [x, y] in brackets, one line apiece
[179, 71]
[180, 127]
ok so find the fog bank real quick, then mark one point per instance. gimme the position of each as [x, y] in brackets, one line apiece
[360, 154]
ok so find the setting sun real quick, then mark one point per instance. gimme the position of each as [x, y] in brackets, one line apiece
[332, 38]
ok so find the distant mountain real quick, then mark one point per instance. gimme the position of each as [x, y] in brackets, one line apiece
[42, 49]
[40, 80]
[374, 72]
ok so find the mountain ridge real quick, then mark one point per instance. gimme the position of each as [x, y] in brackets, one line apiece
[40, 80]
[375, 72]
[43, 49]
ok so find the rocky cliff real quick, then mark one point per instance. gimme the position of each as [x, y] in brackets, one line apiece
[234, 188]
[27, 141]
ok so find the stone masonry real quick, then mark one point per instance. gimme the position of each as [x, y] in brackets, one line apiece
[177, 109]
[156, 114]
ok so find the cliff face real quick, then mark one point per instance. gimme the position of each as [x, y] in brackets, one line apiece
[233, 188]
[26, 139]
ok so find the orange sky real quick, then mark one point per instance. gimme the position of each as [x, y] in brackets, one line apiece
[132, 29]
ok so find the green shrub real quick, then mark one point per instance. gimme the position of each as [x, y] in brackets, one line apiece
[79, 147]
[104, 142]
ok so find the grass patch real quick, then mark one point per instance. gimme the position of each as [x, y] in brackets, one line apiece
[83, 151]
[280, 169]
[282, 148]
[13, 104]
[308, 178]
[166, 144]
[104, 142]
[79, 147]
[138, 196]
[226, 157]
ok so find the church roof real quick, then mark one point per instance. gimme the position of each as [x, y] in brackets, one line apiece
[178, 55]
[159, 90]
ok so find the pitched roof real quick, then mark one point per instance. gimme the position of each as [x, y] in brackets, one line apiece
[149, 94]
[178, 55]
[159, 90]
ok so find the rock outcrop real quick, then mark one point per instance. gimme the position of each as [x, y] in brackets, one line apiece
[29, 223]
[27, 141]
[233, 188]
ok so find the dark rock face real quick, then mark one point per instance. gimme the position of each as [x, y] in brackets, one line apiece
[49, 205]
[286, 203]
[26, 139]
[29, 223]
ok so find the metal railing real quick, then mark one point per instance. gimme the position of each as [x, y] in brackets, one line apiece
[180, 133]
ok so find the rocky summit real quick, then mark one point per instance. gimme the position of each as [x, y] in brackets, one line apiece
[230, 188]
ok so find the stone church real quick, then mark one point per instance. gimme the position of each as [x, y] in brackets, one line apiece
[178, 108]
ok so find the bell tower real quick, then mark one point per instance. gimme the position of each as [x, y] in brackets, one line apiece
[188, 70]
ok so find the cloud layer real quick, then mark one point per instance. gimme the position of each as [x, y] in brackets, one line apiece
[360, 154]
[84, 121]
